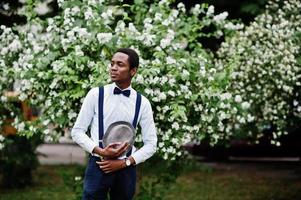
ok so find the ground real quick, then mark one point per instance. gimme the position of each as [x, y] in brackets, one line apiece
[203, 181]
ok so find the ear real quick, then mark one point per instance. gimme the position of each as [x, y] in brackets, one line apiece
[133, 71]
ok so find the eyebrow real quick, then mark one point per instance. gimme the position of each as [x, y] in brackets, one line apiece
[117, 61]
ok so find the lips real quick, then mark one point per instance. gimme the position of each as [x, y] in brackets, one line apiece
[114, 75]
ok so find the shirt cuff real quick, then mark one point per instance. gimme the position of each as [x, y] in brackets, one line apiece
[90, 147]
[136, 158]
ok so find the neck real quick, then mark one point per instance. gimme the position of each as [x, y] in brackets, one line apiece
[123, 85]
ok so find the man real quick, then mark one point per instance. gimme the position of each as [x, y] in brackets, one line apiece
[116, 173]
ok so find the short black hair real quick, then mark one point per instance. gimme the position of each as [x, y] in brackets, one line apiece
[133, 56]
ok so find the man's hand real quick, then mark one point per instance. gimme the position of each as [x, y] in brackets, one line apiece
[113, 150]
[111, 165]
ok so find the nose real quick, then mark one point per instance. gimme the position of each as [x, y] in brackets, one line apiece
[113, 67]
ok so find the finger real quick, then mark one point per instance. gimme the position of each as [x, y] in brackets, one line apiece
[111, 149]
[122, 145]
[105, 168]
[123, 148]
[100, 162]
[127, 146]
[114, 144]
[105, 162]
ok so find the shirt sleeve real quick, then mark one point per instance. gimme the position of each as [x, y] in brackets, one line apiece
[84, 118]
[149, 136]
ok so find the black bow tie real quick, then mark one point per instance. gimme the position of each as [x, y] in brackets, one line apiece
[124, 92]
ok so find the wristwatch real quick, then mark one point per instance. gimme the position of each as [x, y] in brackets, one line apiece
[127, 162]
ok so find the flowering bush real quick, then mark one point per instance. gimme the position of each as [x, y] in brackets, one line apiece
[265, 62]
[1, 142]
[58, 60]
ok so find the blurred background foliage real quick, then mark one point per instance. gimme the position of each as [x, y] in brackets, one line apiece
[243, 10]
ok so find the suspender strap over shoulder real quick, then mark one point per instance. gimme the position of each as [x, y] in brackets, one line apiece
[100, 117]
[137, 110]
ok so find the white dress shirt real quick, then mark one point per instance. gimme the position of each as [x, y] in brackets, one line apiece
[115, 108]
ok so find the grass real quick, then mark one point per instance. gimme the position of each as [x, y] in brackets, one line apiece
[236, 184]
[48, 184]
[219, 181]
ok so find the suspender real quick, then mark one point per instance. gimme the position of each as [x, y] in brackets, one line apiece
[137, 109]
[100, 116]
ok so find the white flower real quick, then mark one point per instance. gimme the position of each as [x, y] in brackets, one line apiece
[120, 27]
[295, 103]
[46, 131]
[237, 99]
[170, 60]
[245, 105]
[162, 2]
[132, 28]
[158, 17]
[250, 118]
[147, 39]
[60, 2]
[107, 16]
[42, 8]
[6, 6]
[171, 93]
[210, 10]
[175, 126]
[78, 51]
[162, 96]
[104, 37]
[148, 91]
[15, 45]
[72, 115]
[196, 10]
[82, 32]
[181, 7]
[21, 126]
[1, 138]
[164, 79]
[185, 73]
[242, 120]
[232, 26]
[3, 98]
[220, 17]
[184, 88]
[46, 122]
[225, 96]
[139, 78]
[22, 96]
[88, 14]
[222, 115]
[74, 10]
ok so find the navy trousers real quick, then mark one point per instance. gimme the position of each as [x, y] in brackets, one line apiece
[120, 185]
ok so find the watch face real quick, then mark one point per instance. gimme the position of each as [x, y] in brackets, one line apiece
[128, 162]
